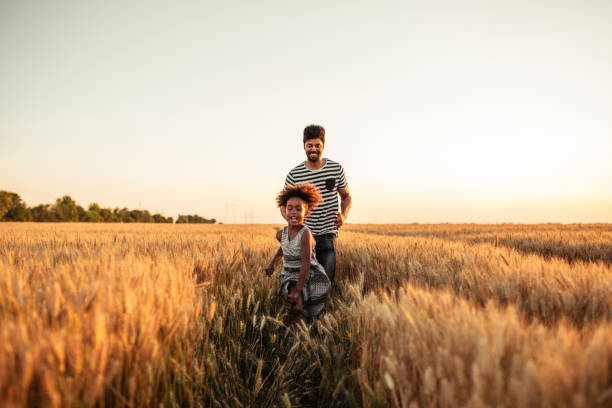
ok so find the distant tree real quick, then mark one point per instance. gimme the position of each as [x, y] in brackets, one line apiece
[93, 217]
[121, 215]
[43, 213]
[146, 216]
[94, 207]
[93, 213]
[65, 209]
[194, 219]
[139, 216]
[107, 215]
[82, 214]
[12, 208]
[19, 213]
[161, 219]
[7, 201]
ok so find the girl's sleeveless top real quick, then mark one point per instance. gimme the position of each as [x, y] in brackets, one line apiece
[317, 283]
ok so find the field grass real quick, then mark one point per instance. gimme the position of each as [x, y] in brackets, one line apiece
[420, 315]
[572, 242]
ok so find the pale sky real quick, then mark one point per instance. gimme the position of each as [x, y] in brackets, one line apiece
[439, 111]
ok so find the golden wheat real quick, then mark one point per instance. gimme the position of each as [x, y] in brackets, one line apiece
[572, 242]
[546, 289]
[430, 348]
[183, 315]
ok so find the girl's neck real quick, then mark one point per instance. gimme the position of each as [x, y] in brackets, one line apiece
[294, 229]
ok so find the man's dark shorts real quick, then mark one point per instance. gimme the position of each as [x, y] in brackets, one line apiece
[326, 253]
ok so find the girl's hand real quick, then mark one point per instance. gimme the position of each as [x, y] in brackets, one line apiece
[269, 269]
[294, 296]
[299, 305]
[278, 255]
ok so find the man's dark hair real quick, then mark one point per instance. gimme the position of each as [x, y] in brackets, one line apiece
[314, 132]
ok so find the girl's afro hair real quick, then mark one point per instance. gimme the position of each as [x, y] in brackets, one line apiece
[307, 192]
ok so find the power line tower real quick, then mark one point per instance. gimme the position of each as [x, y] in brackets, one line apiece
[248, 216]
[230, 208]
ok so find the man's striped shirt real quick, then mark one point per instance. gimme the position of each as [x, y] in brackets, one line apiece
[328, 180]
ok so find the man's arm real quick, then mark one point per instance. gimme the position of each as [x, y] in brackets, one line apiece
[345, 206]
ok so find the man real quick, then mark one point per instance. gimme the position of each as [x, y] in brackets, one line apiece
[329, 177]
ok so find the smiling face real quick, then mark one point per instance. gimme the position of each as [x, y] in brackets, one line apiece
[296, 210]
[313, 149]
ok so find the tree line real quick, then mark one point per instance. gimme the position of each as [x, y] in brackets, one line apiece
[65, 209]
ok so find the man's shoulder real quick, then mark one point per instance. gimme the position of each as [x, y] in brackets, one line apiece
[334, 166]
[299, 167]
[333, 163]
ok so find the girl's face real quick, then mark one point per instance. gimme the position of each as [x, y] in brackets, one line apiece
[296, 211]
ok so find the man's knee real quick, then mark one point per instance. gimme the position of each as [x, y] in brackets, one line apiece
[330, 265]
[326, 255]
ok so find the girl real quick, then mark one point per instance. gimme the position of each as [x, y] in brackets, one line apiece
[304, 283]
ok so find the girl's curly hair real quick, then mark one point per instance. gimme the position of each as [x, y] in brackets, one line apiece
[307, 192]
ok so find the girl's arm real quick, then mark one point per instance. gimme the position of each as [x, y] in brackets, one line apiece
[278, 255]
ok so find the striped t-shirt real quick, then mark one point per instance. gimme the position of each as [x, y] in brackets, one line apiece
[328, 180]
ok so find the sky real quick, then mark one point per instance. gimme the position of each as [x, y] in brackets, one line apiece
[439, 111]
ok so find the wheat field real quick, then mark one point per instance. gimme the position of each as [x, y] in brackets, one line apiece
[444, 315]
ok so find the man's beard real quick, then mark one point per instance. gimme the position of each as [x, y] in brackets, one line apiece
[315, 159]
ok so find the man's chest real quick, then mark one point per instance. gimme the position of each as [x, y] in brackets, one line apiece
[325, 183]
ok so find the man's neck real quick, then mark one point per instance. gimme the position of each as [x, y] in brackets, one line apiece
[315, 165]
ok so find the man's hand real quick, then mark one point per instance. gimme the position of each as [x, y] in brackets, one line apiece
[339, 221]
[345, 206]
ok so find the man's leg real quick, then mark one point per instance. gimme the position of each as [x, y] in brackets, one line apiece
[326, 255]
